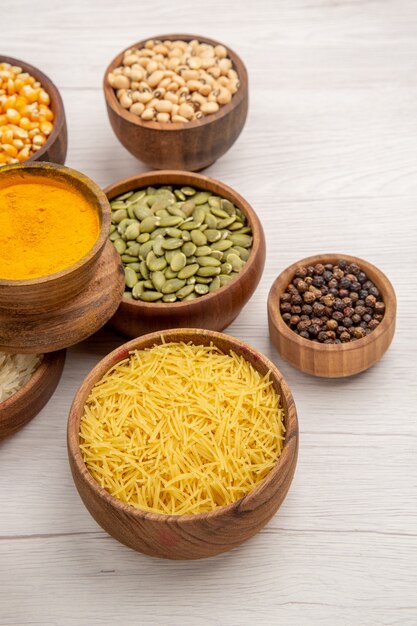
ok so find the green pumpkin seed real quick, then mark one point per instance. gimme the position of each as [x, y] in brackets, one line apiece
[169, 274]
[203, 280]
[241, 240]
[131, 277]
[141, 212]
[134, 266]
[158, 280]
[191, 280]
[235, 261]
[119, 215]
[158, 232]
[178, 262]
[203, 251]
[132, 231]
[216, 254]
[226, 268]
[185, 291]
[188, 207]
[243, 231]
[150, 296]
[215, 284]
[212, 235]
[173, 285]
[208, 261]
[191, 225]
[237, 225]
[162, 213]
[148, 284]
[210, 220]
[137, 195]
[170, 220]
[179, 194]
[144, 270]
[169, 297]
[162, 202]
[128, 258]
[201, 289]
[128, 295]
[227, 206]
[188, 271]
[222, 245]
[176, 210]
[117, 204]
[198, 238]
[198, 215]
[169, 255]
[149, 224]
[224, 278]
[114, 235]
[185, 235]
[157, 246]
[133, 248]
[120, 245]
[143, 237]
[226, 222]
[244, 253]
[208, 271]
[138, 289]
[215, 201]
[219, 212]
[188, 191]
[174, 232]
[201, 197]
[192, 296]
[189, 248]
[155, 263]
[145, 248]
[124, 224]
[112, 228]
[172, 244]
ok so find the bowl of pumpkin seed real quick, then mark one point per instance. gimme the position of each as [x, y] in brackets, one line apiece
[192, 248]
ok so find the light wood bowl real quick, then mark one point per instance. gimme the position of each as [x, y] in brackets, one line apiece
[186, 536]
[21, 407]
[214, 311]
[47, 293]
[331, 360]
[55, 148]
[181, 146]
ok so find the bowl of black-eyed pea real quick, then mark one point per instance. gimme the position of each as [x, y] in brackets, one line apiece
[177, 101]
[192, 248]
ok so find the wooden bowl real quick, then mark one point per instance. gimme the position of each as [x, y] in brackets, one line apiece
[186, 536]
[184, 145]
[331, 360]
[214, 311]
[55, 148]
[48, 293]
[22, 406]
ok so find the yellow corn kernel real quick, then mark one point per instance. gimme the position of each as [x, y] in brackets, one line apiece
[18, 144]
[24, 154]
[13, 116]
[46, 127]
[43, 97]
[9, 149]
[38, 140]
[24, 123]
[3, 158]
[6, 136]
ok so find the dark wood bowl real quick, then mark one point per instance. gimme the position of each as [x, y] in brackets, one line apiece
[180, 145]
[186, 536]
[55, 148]
[331, 360]
[22, 406]
[214, 311]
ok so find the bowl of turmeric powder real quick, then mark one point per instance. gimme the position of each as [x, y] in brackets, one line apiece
[32, 116]
[54, 226]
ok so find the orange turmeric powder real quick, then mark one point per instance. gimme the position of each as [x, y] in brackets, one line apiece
[44, 227]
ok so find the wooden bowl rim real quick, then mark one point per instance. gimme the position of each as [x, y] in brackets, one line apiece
[237, 98]
[102, 206]
[42, 371]
[382, 282]
[188, 334]
[241, 203]
[56, 100]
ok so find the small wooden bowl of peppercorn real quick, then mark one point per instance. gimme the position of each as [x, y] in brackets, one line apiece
[179, 143]
[54, 149]
[213, 309]
[332, 315]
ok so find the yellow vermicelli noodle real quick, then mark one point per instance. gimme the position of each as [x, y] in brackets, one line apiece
[181, 428]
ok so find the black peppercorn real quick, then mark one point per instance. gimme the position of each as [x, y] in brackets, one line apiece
[361, 277]
[366, 317]
[296, 310]
[318, 281]
[338, 273]
[333, 283]
[285, 307]
[363, 293]
[356, 318]
[339, 305]
[344, 283]
[302, 286]
[310, 270]
[348, 311]
[318, 309]
[338, 316]
[331, 324]
[309, 297]
[347, 322]
[373, 324]
[322, 336]
[370, 301]
[286, 317]
[344, 337]
[285, 297]
[355, 286]
[327, 275]
[360, 310]
[342, 264]
[303, 325]
[304, 334]
[296, 299]
[313, 330]
[379, 307]
[358, 332]
[301, 272]
[354, 296]
[307, 309]
[294, 320]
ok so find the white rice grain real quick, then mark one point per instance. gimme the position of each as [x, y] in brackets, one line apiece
[15, 371]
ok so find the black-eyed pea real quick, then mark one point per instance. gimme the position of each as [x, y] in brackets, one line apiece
[220, 51]
[148, 114]
[155, 78]
[225, 96]
[186, 110]
[179, 119]
[121, 82]
[137, 108]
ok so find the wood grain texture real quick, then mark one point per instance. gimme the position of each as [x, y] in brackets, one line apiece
[331, 361]
[75, 320]
[186, 536]
[327, 159]
[214, 311]
[55, 148]
[26, 403]
[180, 145]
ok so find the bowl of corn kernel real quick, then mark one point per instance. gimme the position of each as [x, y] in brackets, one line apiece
[32, 116]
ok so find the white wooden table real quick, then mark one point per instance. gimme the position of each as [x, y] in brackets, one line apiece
[328, 158]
